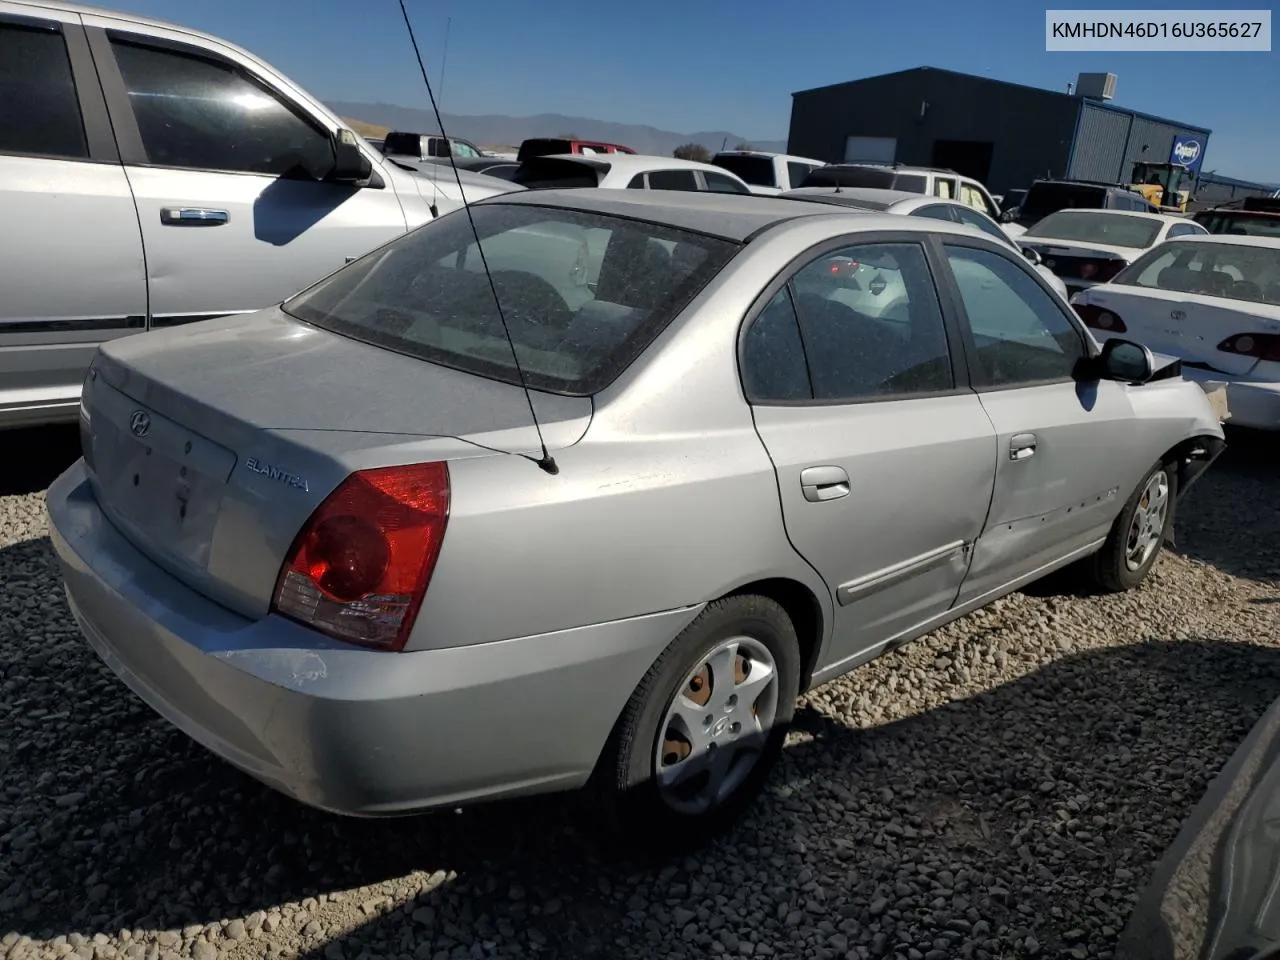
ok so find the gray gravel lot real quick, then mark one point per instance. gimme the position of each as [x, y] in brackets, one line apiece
[999, 789]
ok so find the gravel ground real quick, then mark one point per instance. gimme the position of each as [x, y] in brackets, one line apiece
[999, 789]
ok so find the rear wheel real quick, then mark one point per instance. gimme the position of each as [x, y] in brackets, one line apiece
[702, 730]
[1138, 532]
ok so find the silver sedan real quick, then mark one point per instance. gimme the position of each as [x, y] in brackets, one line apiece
[772, 441]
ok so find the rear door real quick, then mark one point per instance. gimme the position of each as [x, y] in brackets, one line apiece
[1067, 452]
[885, 459]
[215, 150]
[69, 240]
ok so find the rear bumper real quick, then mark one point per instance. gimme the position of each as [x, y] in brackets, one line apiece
[349, 730]
[1251, 403]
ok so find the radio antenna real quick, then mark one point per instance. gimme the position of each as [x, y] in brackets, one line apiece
[546, 461]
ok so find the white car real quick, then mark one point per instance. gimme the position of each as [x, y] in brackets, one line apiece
[1086, 247]
[623, 171]
[916, 205]
[1213, 301]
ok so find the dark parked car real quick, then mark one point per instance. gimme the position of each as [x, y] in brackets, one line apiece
[1049, 196]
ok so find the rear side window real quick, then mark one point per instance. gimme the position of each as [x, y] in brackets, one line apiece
[773, 361]
[910, 183]
[672, 180]
[205, 115]
[39, 112]
[403, 144]
[757, 171]
[582, 294]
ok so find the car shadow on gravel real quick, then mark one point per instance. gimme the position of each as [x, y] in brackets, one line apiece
[1066, 778]
[32, 458]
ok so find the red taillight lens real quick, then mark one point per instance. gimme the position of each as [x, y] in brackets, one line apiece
[360, 567]
[1263, 346]
[1098, 318]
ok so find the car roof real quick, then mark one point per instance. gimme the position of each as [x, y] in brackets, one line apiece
[856, 196]
[1142, 214]
[631, 162]
[87, 10]
[769, 153]
[1230, 240]
[735, 217]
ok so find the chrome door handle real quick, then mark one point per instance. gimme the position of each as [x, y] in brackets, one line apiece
[193, 216]
[824, 483]
[1022, 446]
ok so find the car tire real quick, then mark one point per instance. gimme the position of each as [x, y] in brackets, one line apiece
[1138, 533]
[732, 641]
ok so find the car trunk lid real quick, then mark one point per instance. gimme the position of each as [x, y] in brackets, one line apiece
[1185, 325]
[210, 445]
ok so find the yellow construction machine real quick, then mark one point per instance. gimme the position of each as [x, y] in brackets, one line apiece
[1165, 185]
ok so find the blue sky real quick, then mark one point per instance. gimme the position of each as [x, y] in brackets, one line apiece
[688, 66]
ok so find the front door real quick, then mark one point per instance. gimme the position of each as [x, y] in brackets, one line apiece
[1066, 449]
[222, 160]
[884, 461]
[70, 249]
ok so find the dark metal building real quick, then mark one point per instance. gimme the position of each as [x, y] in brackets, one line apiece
[1002, 134]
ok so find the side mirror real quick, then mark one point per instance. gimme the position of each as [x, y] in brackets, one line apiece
[1009, 215]
[1033, 255]
[1125, 361]
[349, 162]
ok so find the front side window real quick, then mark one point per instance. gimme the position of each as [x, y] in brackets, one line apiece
[463, 149]
[204, 114]
[39, 112]
[718, 183]
[972, 196]
[582, 294]
[1021, 335]
[871, 324]
[1233, 271]
[1084, 226]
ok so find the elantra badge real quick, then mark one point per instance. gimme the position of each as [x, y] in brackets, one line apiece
[1177, 314]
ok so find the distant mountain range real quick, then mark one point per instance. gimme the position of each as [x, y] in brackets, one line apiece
[509, 131]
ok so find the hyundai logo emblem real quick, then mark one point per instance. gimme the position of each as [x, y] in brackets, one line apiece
[139, 423]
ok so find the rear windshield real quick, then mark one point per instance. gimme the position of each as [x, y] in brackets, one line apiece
[541, 173]
[1241, 224]
[404, 144]
[543, 147]
[1114, 229]
[582, 294]
[757, 171]
[1043, 199]
[1233, 271]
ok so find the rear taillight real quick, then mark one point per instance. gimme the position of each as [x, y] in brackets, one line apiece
[360, 567]
[1098, 318]
[1262, 346]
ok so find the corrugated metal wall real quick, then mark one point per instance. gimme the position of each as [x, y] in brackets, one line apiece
[1109, 142]
[1100, 142]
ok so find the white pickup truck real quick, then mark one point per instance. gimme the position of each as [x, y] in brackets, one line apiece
[151, 175]
[767, 174]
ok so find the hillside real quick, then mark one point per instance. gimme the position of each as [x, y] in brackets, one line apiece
[511, 130]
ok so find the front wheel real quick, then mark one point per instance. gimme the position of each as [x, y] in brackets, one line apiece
[1138, 532]
[704, 727]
